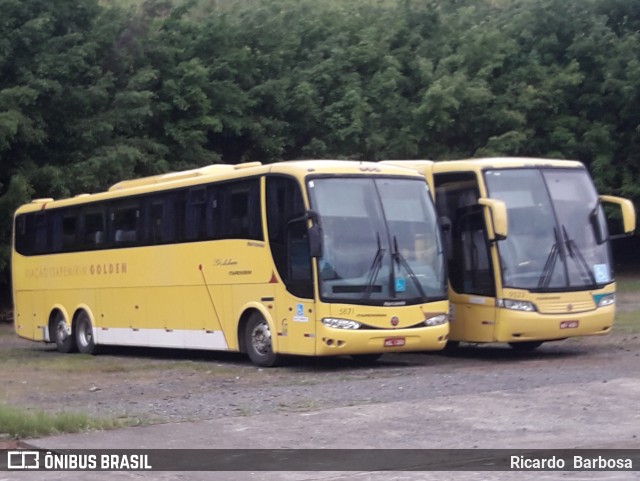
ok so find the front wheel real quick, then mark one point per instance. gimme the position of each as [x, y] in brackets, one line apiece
[525, 346]
[365, 358]
[259, 342]
[65, 341]
[84, 335]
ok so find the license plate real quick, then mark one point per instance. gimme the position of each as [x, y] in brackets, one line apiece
[569, 324]
[394, 342]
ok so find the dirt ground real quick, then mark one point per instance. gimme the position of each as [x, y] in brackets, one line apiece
[142, 386]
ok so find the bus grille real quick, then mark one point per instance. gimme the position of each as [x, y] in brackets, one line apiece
[557, 307]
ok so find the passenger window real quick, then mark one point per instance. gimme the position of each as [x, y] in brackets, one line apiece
[69, 230]
[236, 210]
[125, 223]
[94, 227]
[196, 214]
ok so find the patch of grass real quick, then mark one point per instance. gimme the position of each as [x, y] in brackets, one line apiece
[24, 423]
[627, 284]
[628, 322]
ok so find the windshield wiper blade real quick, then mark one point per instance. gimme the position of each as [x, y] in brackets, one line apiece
[375, 268]
[549, 265]
[397, 256]
[574, 252]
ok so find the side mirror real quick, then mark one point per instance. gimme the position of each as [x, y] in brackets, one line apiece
[627, 212]
[498, 214]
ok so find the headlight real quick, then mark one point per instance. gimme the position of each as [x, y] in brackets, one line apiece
[516, 305]
[340, 323]
[607, 300]
[436, 320]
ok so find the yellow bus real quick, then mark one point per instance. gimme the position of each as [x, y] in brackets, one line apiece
[312, 258]
[529, 258]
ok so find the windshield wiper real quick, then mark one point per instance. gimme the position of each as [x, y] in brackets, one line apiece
[574, 252]
[375, 268]
[397, 256]
[549, 265]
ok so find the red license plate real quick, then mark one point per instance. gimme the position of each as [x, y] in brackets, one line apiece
[569, 324]
[394, 342]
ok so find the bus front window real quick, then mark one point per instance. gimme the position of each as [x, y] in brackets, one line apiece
[381, 243]
[551, 242]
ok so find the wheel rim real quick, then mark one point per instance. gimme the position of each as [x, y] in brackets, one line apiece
[85, 334]
[61, 331]
[261, 338]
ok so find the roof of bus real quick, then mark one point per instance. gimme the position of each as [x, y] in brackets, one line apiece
[502, 163]
[220, 172]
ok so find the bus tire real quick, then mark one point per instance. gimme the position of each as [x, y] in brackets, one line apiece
[84, 335]
[365, 359]
[65, 342]
[451, 346]
[259, 342]
[525, 346]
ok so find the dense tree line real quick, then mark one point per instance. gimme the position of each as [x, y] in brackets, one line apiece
[92, 92]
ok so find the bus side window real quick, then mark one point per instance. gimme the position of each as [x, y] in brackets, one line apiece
[70, 229]
[239, 212]
[21, 237]
[125, 220]
[94, 227]
[196, 214]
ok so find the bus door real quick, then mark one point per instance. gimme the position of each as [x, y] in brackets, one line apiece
[288, 240]
[471, 276]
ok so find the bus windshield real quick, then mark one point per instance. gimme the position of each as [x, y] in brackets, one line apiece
[551, 243]
[381, 243]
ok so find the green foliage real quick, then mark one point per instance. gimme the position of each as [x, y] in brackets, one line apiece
[96, 91]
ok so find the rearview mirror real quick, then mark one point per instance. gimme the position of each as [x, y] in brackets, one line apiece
[627, 212]
[498, 214]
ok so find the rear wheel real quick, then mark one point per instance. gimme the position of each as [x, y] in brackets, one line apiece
[525, 346]
[84, 335]
[259, 342]
[64, 339]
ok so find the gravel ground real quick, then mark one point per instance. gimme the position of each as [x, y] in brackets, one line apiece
[153, 385]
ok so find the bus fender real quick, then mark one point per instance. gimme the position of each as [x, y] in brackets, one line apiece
[256, 306]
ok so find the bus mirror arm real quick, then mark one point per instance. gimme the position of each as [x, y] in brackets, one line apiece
[315, 233]
[596, 224]
[315, 240]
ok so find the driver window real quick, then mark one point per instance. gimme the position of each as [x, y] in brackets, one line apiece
[289, 241]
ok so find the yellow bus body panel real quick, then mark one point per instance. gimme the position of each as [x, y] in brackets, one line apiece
[197, 294]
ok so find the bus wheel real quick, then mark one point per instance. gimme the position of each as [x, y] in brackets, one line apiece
[525, 346]
[84, 335]
[451, 346]
[366, 358]
[258, 341]
[64, 341]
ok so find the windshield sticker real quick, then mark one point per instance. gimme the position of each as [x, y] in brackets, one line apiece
[401, 285]
[601, 273]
